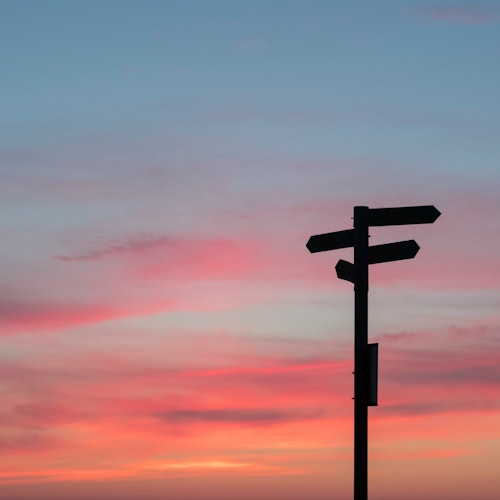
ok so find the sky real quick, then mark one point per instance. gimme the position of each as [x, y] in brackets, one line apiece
[164, 332]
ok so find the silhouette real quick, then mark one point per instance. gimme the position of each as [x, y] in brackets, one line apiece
[365, 354]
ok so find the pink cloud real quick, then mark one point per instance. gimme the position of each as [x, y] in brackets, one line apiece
[17, 316]
[247, 250]
[168, 414]
[29, 443]
[239, 402]
[112, 388]
[134, 275]
[251, 416]
[24, 316]
[113, 385]
[189, 258]
[440, 374]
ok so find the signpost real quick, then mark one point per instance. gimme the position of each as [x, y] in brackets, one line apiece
[392, 251]
[366, 355]
[331, 241]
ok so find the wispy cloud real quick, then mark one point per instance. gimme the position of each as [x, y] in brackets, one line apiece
[240, 415]
[25, 315]
[21, 316]
[192, 258]
[229, 408]
[29, 443]
[126, 247]
[461, 14]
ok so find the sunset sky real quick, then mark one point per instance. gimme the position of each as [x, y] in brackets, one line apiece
[164, 332]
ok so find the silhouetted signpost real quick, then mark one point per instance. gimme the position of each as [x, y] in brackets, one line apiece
[365, 354]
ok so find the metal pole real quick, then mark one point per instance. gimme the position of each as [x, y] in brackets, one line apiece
[361, 224]
[366, 355]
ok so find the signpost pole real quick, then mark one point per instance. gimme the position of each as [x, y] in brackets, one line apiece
[361, 224]
[366, 355]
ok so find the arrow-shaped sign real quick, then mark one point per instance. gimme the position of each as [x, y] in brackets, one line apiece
[331, 241]
[379, 253]
[425, 214]
[345, 271]
[392, 251]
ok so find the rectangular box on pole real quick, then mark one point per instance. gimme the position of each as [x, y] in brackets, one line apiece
[373, 374]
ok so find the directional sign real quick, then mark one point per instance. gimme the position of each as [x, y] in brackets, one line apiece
[345, 271]
[425, 214]
[392, 251]
[379, 253]
[365, 354]
[331, 241]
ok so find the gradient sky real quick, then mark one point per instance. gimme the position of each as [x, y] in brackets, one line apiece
[164, 331]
